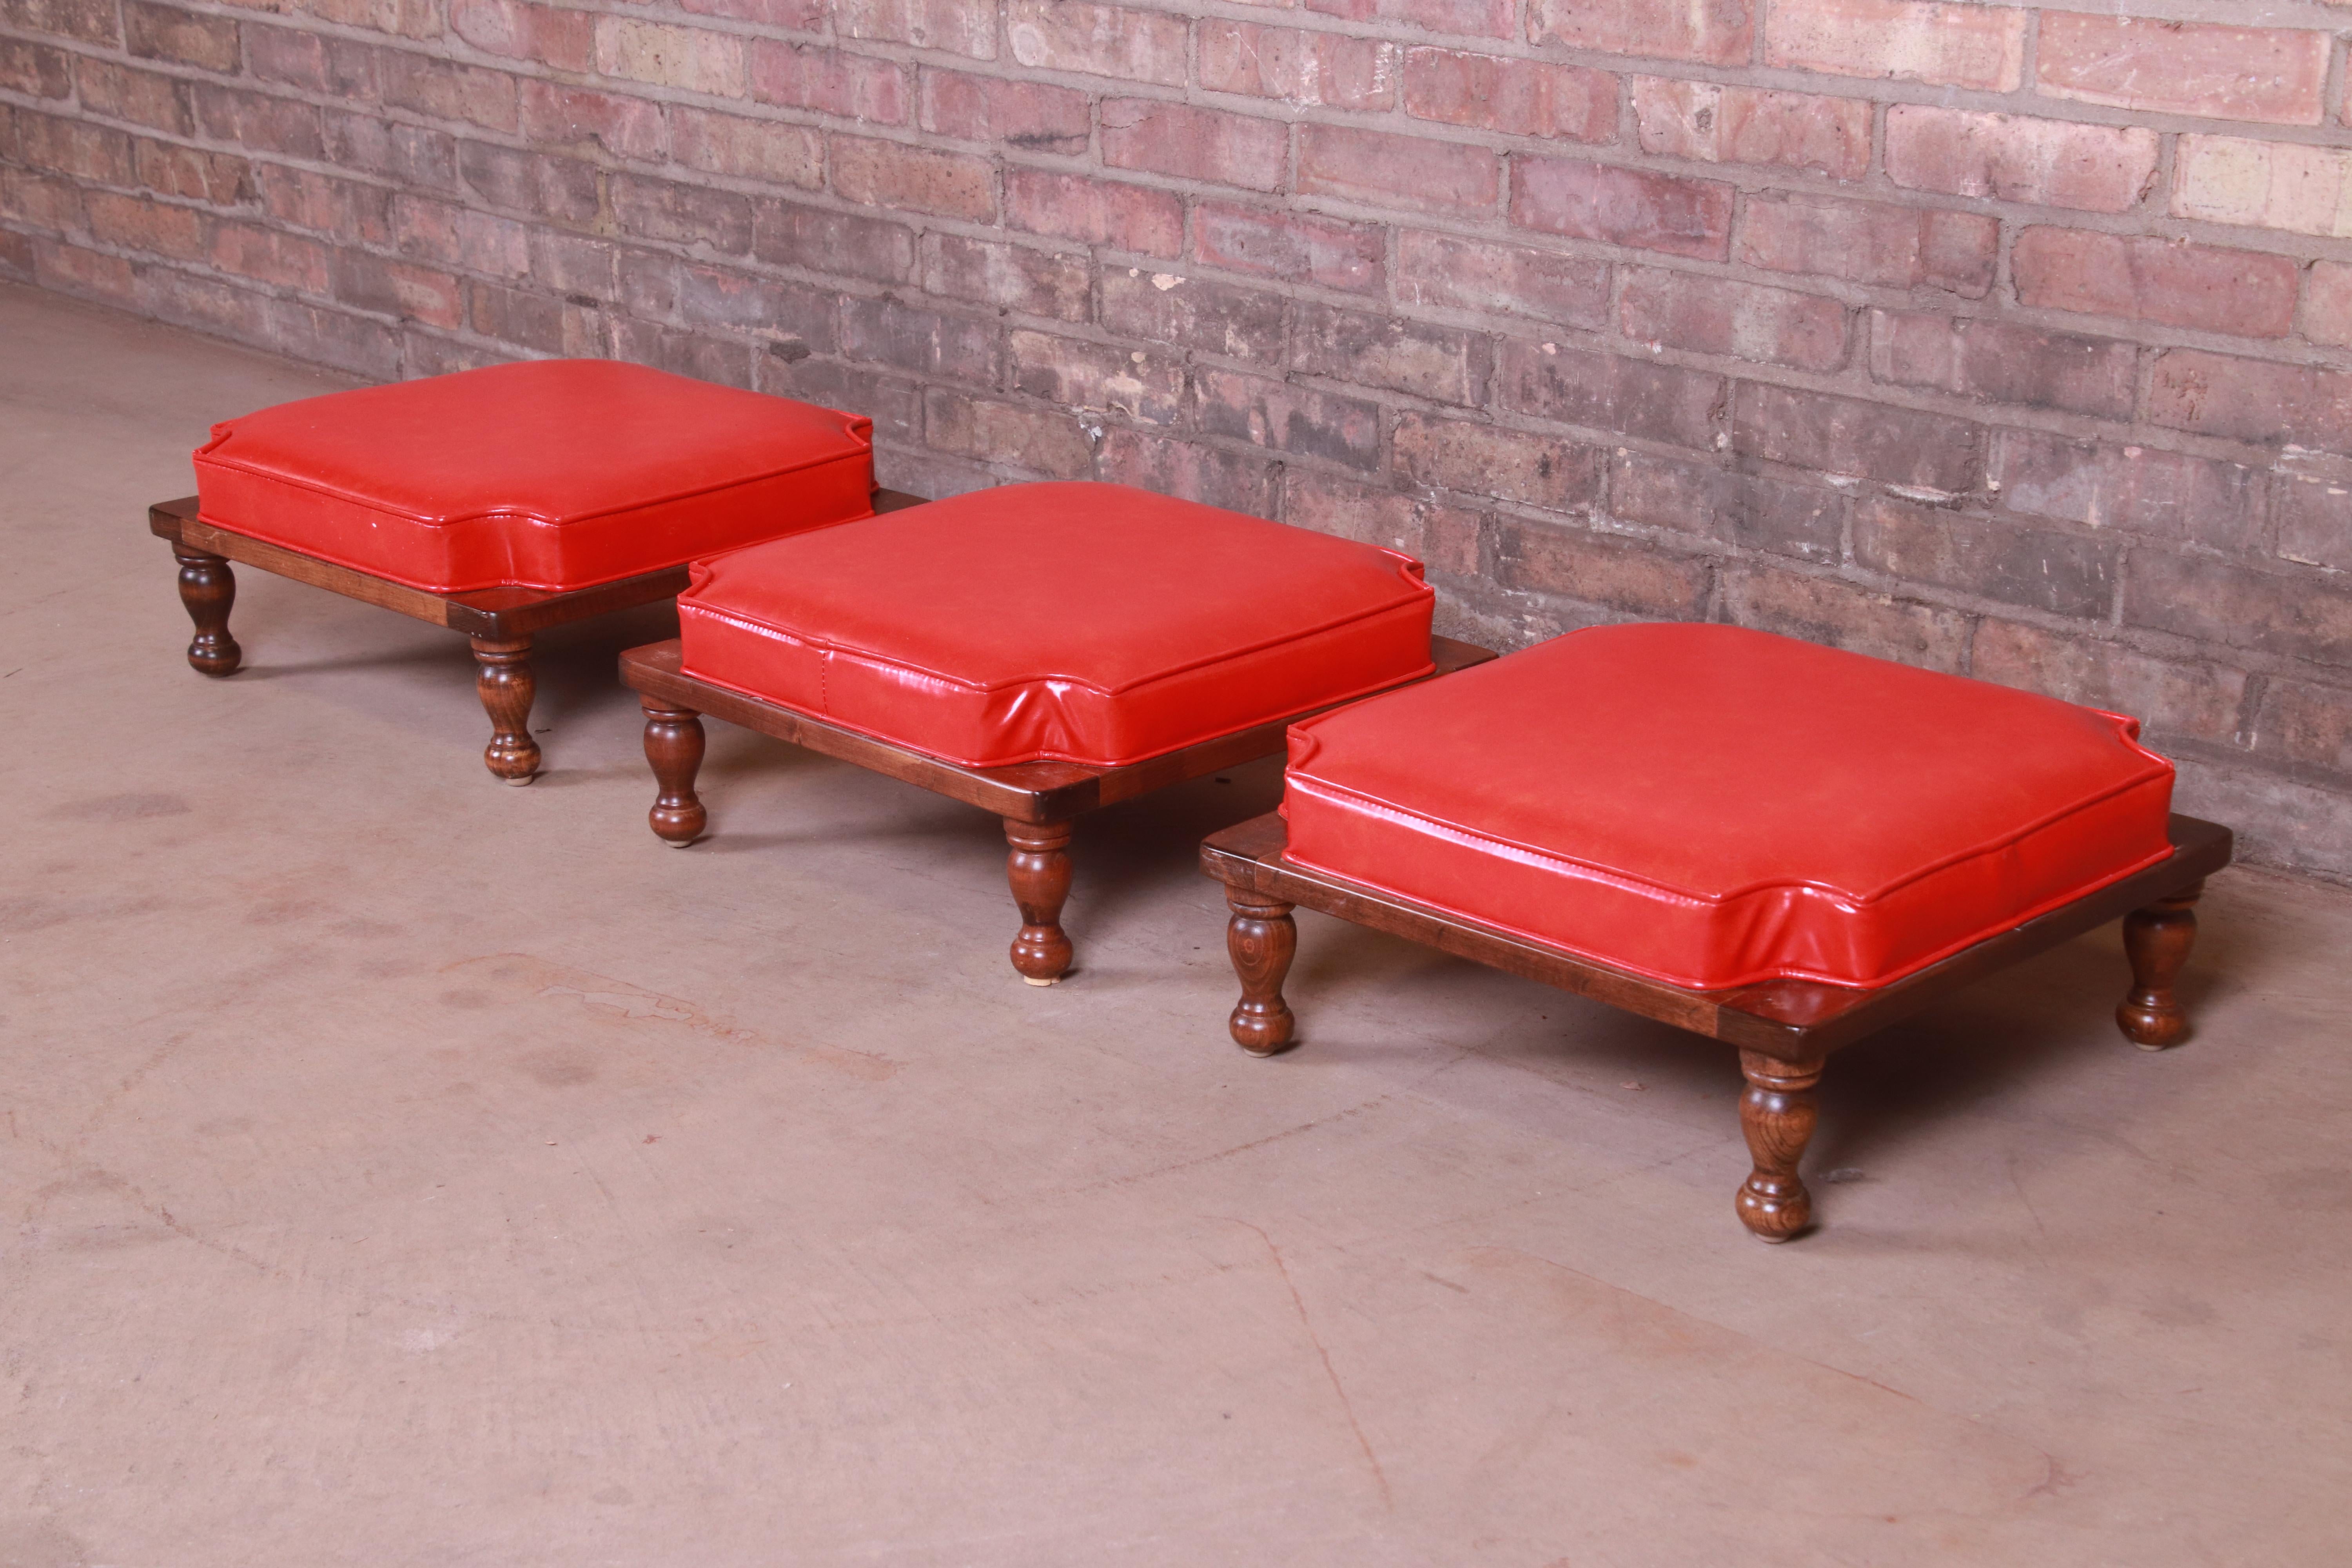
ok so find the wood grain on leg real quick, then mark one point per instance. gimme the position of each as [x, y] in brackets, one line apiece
[1777, 1113]
[1039, 869]
[2157, 939]
[506, 686]
[674, 744]
[1262, 939]
[208, 589]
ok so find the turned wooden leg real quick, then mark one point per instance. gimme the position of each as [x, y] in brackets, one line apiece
[1262, 939]
[505, 681]
[1777, 1113]
[1039, 869]
[2158, 939]
[674, 747]
[207, 587]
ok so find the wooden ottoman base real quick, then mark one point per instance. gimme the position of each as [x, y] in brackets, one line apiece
[501, 622]
[1784, 1031]
[1037, 802]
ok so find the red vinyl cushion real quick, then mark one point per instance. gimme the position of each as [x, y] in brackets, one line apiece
[549, 474]
[1080, 623]
[1718, 807]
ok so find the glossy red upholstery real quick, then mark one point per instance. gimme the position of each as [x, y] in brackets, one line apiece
[1077, 622]
[549, 474]
[1718, 807]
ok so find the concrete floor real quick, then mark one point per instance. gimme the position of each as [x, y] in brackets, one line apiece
[403, 1168]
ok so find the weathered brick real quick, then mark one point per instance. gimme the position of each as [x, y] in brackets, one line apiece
[409, 155]
[547, 34]
[913, 179]
[682, 214]
[1622, 207]
[1097, 377]
[1379, 169]
[1952, 45]
[1716, 32]
[1718, 124]
[557, 188]
[1029, 116]
[1539, 471]
[1190, 471]
[1199, 314]
[2138, 489]
[140, 223]
[895, 407]
[1515, 96]
[1292, 419]
[1108, 212]
[513, 315]
[447, 90]
[1617, 573]
[1274, 243]
[152, 32]
[2304, 721]
[272, 255]
[460, 237]
[1752, 510]
[1098, 40]
[88, 21]
[257, 121]
[816, 239]
[684, 352]
[39, 202]
[1476, 19]
[397, 289]
[403, 18]
[1165, 138]
[174, 171]
[789, 316]
[1841, 436]
[2328, 304]
[828, 82]
[346, 209]
[142, 97]
[36, 70]
[626, 126]
[1444, 364]
[1445, 269]
[1612, 393]
[924, 341]
[2294, 614]
[2264, 184]
[16, 262]
[1016, 277]
[953, 26]
[1975, 356]
[75, 269]
[2249, 293]
[1301, 67]
[697, 60]
[317, 62]
[1717, 316]
[2252, 400]
[2272, 74]
[2013, 158]
[793, 15]
[2038, 568]
[1824, 610]
[764, 150]
[2315, 520]
[2197, 700]
[1442, 538]
[71, 147]
[1869, 242]
[575, 264]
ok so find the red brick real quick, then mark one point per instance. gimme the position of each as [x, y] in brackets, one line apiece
[138, 223]
[2328, 304]
[547, 34]
[514, 316]
[2166, 495]
[17, 254]
[2267, 184]
[1017, 277]
[1869, 242]
[895, 407]
[1043, 441]
[2198, 701]
[1716, 316]
[790, 318]
[1990, 558]
[1518, 98]
[562, 189]
[1615, 394]
[142, 97]
[1953, 45]
[1444, 537]
[174, 171]
[2276, 75]
[411, 155]
[2314, 521]
[1275, 244]
[828, 82]
[1716, 124]
[1190, 470]
[1622, 207]
[403, 18]
[1745, 510]
[1098, 212]
[1536, 470]
[1166, 137]
[1200, 315]
[1288, 419]
[1445, 269]
[2252, 399]
[90, 21]
[916, 179]
[954, 25]
[1842, 435]
[1100, 377]
[85, 151]
[624, 126]
[1097, 40]
[2306, 723]
[724, 361]
[185, 37]
[2049, 162]
[346, 209]
[2006, 363]
[72, 269]
[36, 70]
[2292, 614]
[257, 122]
[1029, 116]
[272, 255]
[764, 149]
[818, 239]
[446, 90]
[1328, 68]
[1444, 364]
[340, 67]
[1822, 610]
[39, 201]
[2242, 291]
[1379, 169]
[928, 342]
[1716, 32]
[681, 213]
[1599, 569]
[460, 237]
[697, 60]
[1476, 18]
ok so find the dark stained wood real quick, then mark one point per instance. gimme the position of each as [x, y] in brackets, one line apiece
[674, 742]
[1262, 939]
[2157, 939]
[1038, 866]
[208, 591]
[1777, 1114]
[508, 687]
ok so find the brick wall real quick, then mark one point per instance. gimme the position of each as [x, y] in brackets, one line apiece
[2009, 340]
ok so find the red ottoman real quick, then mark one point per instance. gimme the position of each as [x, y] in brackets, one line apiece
[503, 500]
[1774, 842]
[1038, 651]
